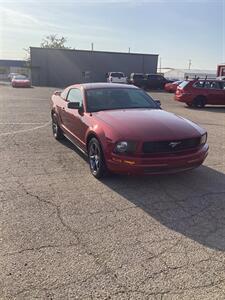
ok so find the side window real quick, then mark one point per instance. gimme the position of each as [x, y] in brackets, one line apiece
[215, 85]
[75, 95]
[198, 84]
[223, 85]
[207, 85]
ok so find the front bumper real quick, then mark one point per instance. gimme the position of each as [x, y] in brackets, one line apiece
[23, 85]
[165, 164]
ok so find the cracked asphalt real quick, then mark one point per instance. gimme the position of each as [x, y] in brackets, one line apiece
[65, 235]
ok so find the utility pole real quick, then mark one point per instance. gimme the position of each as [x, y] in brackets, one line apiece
[189, 64]
[129, 50]
[160, 64]
[92, 46]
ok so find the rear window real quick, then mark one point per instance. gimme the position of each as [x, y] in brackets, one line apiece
[183, 84]
[139, 76]
[117, 74]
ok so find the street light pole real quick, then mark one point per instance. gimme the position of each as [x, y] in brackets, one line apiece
[189, 64]
[160, 64]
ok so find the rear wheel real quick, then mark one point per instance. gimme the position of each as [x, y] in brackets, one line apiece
[96, 159]
[199, 102]
[56, 130]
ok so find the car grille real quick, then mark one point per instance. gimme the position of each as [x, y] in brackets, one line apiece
[170, 146]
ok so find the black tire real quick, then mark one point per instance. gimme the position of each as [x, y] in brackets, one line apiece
[189, 104]
[96, 159]
[199, 102]
[56, 130]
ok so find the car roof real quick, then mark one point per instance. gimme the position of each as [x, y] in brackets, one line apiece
[205, 79]
[102, 85]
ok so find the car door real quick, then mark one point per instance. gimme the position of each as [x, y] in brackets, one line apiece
[157, 82]
[215, 93]
[223, 92]
[74, 118]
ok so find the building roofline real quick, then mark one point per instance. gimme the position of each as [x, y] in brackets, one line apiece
[12, 60]
[95, 51]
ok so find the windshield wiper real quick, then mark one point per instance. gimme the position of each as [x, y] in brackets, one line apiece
[139, 107]
[115, 108]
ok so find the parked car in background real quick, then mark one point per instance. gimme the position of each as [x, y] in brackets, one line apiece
[171, 87]
[155, 81]
[116, 77]
[20, 81]
[198, 93]
[137, 79]
[123, 130]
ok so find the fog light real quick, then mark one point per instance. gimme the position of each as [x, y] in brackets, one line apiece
[121, 146]
[203, 139]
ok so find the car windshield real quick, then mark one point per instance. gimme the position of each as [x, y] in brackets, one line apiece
[118, 98]
[20, 77]
[117, 74]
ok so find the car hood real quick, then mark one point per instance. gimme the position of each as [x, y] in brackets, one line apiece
[149, 124]
[21, 80]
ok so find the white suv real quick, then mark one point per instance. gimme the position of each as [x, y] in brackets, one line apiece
[116, 77]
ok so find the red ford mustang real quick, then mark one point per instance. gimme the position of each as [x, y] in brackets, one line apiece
[20, 81]
[123, 130]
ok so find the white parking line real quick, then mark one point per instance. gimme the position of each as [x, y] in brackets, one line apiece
[28, 99]
[25, 130]
[23, 123]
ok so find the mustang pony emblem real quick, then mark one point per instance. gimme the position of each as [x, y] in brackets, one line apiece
[174, 144]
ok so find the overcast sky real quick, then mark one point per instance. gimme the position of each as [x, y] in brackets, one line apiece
[177, 30]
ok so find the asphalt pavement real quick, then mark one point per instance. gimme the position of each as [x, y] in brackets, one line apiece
[66, 235]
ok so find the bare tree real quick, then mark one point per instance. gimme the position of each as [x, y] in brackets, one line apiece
[53, 41]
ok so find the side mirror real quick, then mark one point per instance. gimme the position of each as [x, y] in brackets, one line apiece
[158, 103]
[73, 105]
[57, 93]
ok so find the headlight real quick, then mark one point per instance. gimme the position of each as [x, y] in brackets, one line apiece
[203, 139]
[124, 146]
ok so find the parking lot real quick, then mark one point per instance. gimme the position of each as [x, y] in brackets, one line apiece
[66, 235]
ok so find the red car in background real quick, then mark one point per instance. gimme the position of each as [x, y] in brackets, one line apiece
[171, 87]
[123, 130]
[20, 81]
[198, 93]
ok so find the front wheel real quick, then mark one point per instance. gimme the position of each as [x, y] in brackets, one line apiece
[56, 130]
[96, 159]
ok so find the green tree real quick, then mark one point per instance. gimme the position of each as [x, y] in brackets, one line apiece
[53, 41]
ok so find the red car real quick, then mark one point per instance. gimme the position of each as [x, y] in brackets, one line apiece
[198, 93]
[20, 81]
[123, 130]
[171, 87]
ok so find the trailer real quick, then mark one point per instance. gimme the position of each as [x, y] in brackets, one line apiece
[221, 70]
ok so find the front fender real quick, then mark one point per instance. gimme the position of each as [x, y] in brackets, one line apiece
[106, 136]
